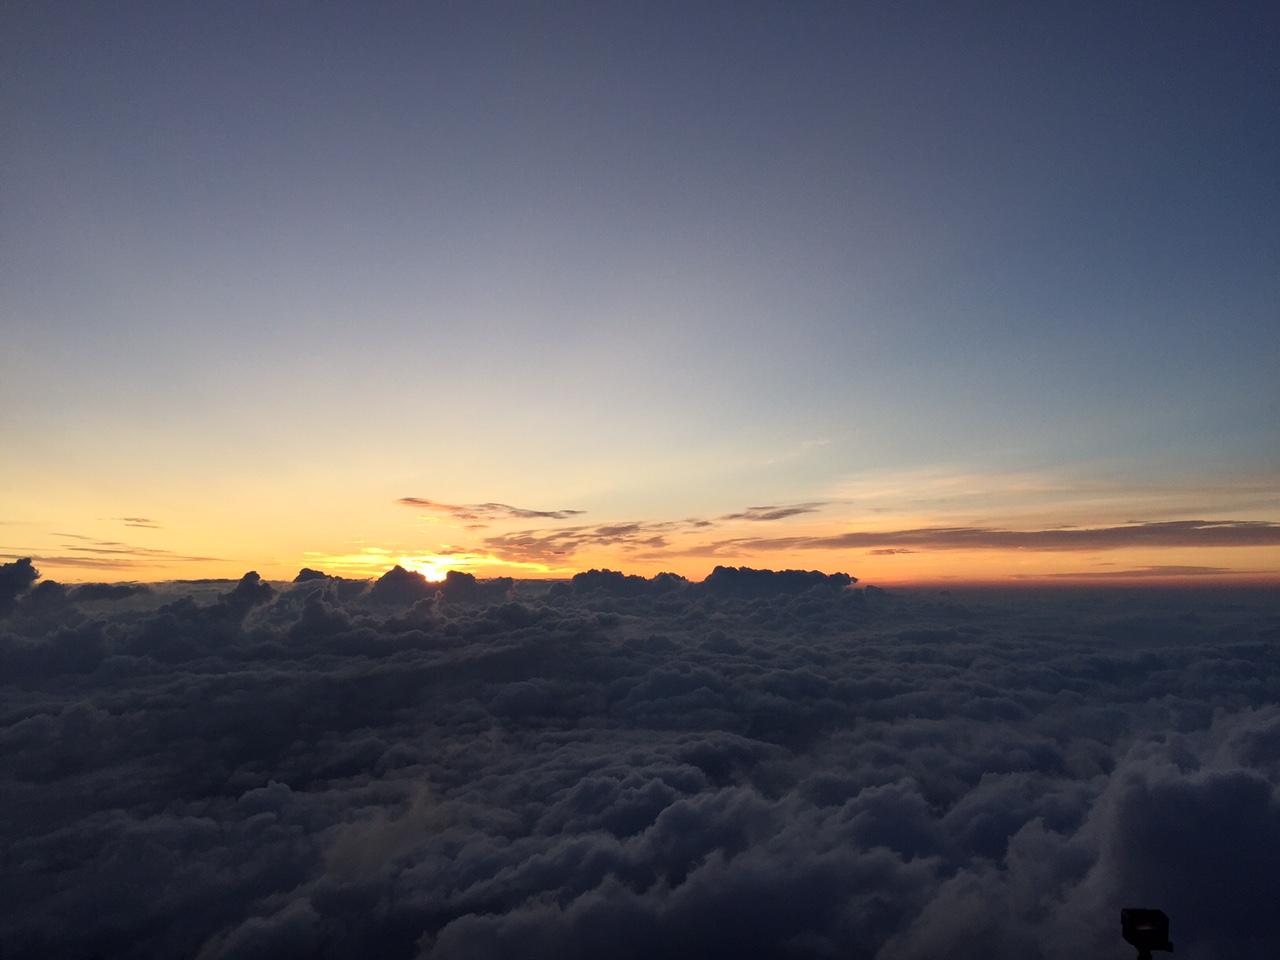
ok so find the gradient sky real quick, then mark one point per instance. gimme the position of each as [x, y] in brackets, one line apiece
[914, 291]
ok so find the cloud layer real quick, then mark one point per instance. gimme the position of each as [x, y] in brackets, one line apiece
[485, 511]
[753, 767]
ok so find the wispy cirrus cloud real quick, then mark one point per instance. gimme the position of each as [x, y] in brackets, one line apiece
[776, 512]
[650, 539]
[1078, 497]
[112, 562]
[528, 546]
[138, 522]
[78, 550]
[689, 538]
[485, 511]
[1166, 533]
[1140, 573]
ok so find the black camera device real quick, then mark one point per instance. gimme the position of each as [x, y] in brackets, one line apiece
[1146, 929]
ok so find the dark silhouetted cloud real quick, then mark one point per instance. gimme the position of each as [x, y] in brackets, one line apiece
[16, 578]
[745, 583]
[87, 592]
[399, 585]
[618, 584]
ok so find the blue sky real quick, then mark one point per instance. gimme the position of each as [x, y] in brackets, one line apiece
[266, 270]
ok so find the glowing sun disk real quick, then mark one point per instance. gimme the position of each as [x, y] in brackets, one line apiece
[431, 567]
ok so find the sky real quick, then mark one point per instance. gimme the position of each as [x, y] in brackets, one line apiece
[925, 292]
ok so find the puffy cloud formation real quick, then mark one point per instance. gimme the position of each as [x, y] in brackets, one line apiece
[789, 767]
[16, 578]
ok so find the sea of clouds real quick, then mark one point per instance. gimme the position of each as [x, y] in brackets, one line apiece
[755, 766]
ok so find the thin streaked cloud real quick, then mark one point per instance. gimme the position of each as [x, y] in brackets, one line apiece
[775, 512]
[1140, 573]
[80, 551]
[1162, 534]
[485, 511]
[139, 522]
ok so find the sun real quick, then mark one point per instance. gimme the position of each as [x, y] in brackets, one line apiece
[432, 567]
[375, 561]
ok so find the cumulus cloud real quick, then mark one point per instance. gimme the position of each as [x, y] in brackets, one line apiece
[16, 578]
[107, 591]
[760, 765]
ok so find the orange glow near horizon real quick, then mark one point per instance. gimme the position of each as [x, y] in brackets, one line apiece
[986, 568]
[929, 532]
[939, 569]
[375, 561]
[692, 555]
